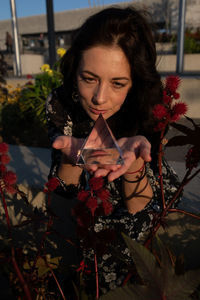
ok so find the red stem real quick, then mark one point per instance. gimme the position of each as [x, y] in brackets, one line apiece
[97, 277]
[14, 262]
[20, 276]
[163, 213]
[190, 178]
[49, 224]
[185, 181]
[184, 212]
[6, 211]
[54, 276]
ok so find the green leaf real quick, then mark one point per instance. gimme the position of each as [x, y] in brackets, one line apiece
[191, 135]
[145, 262]
[132, 292]
[182, 128]
[179, 140]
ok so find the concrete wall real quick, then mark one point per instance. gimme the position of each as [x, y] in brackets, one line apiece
[30, 63]
[167, 63]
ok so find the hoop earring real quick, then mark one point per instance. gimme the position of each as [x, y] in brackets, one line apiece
[75, 97]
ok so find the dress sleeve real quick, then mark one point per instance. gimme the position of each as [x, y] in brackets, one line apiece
[58, 123]
[58, 120]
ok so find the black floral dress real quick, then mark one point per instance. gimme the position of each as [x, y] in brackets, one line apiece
[115, 262]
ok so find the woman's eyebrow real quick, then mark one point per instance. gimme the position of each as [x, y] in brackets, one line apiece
[114, 78]
[121, 78]
[90, 73]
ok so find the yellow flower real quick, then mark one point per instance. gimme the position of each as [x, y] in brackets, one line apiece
[50, 72]
[61, 52]
[45, 68]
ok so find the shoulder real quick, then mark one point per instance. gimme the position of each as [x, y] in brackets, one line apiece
[55, 96]
[57, 102]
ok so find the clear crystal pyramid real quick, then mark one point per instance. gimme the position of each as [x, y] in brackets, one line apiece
[100, 147]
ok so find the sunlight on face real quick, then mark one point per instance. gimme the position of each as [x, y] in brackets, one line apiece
[103, 80]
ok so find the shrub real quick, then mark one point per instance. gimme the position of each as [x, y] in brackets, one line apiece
[33, 96]
[191, 45]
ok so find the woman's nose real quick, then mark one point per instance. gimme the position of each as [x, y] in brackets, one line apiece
[100, 94]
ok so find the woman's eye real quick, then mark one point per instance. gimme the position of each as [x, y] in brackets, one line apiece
[118, 84]
[88, 79]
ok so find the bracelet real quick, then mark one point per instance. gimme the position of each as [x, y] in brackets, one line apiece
[138, 180]
[142, 167]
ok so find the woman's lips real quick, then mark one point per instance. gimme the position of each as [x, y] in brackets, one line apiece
[99, 153]
[97, 111]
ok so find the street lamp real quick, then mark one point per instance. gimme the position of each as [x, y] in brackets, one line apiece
[16, 39]
[51, 32]
[181, 33]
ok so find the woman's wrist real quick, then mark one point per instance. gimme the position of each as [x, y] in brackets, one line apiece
[65, 160]
[136, 172]
[136, 167]
[69, 173]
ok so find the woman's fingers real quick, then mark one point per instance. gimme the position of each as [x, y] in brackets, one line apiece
[145, 151]
[101, 172]
[61, 142]
[129, 157]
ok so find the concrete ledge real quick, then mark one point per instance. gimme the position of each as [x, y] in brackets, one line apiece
[31, 63]
[167, 62]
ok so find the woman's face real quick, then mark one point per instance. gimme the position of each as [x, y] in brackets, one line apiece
[103, 79]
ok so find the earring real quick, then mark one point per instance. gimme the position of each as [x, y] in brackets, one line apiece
[75, 96]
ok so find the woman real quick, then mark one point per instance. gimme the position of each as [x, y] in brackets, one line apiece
[110, 69]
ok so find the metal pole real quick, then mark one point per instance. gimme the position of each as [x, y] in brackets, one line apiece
[51, 32]
[16, 40]
[181, 33]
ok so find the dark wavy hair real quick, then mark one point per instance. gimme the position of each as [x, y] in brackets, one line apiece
[129, 29]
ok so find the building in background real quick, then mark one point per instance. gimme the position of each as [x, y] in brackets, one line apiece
[164, 15]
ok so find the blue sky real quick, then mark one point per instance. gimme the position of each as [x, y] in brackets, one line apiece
[35, 7]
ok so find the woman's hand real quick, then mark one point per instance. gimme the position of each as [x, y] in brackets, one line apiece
[69, 146]
[132, 148]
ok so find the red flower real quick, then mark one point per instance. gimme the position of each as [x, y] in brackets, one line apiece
[172, 83]
[96, 183]
[3, 148]
[10, 178]
[159, 111]
[175, 117]
[103, 194]
[176, 95]
[92, 204]
[166, 99]
[160, 126]
[2, 168]
[83, 216]
[5, 159]
[52, 184]
[83, 195]
[28, 76]
[107, 206]
[10, 189]
[179, 108]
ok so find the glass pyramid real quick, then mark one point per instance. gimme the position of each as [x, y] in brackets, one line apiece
[100, 147]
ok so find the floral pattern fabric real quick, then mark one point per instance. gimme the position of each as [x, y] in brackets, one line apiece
[115, 263]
